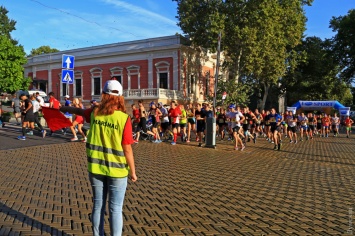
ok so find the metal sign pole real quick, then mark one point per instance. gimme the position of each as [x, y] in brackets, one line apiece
[217, 71]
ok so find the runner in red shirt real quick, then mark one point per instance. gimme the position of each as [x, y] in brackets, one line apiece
[325, 126]
[348, 122]
[174, 113]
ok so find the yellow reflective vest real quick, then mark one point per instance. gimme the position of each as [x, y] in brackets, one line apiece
[104, 145]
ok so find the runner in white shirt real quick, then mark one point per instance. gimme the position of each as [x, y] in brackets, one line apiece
[36, 107]
[335, 124]
[237, 131]
[39, 99]
[292, 127]
[303, 125]
[230, 116]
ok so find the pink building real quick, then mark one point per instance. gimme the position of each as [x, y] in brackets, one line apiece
[156, 69]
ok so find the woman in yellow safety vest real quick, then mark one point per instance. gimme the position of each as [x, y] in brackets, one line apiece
[109, 154]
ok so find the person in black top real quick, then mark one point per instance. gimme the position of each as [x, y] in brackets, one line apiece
[249, 117]
[28, 116]
[200, 121]
[221, 121]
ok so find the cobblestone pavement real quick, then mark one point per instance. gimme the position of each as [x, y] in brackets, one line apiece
[305, 189]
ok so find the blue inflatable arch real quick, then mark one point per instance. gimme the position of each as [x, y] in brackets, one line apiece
[318, 105]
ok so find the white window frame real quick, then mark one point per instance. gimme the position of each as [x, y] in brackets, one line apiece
[133, 70]
[96, 72]
[162, 67]
[117, 71]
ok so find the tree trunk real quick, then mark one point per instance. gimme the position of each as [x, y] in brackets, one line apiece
[237, 67]
[266, 94]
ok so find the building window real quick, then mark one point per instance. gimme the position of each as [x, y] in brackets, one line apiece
[162, 74]
[78, 75]
[133, 77]
[117, 73]
[64, 89]
[96, 75]
[78, 87]
[97, 86]
[163, 80]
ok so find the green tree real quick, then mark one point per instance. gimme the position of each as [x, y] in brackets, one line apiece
[258, 36]
[42, 50]
[6, 25]
[316, 77]
[344, 44]
[12, 57]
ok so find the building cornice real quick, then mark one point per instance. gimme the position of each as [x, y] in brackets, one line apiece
[109, 50]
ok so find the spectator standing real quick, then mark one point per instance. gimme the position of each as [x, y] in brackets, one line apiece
[110, 156]
[16, 105]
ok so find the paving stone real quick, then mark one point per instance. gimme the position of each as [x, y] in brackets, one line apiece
[305, 189]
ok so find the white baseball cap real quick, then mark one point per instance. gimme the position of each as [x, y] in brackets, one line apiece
[113, 87]
[67, 96]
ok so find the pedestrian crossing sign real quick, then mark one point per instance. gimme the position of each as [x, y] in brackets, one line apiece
[68, 76]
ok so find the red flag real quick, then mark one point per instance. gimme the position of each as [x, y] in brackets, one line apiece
[55, 119]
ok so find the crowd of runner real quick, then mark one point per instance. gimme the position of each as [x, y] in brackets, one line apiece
[188, 122]
[237, 124]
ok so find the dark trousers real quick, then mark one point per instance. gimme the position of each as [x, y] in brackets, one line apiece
[37, 120]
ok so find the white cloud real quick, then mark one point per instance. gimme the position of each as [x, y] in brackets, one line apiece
[143, 13]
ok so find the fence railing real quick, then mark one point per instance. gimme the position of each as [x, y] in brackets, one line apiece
[154, 93]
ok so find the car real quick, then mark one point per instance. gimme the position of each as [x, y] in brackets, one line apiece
[34, 91]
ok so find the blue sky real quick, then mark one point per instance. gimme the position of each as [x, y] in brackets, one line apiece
[69, 24]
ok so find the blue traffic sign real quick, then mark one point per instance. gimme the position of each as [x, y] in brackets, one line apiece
[68, 76]
[68, 62]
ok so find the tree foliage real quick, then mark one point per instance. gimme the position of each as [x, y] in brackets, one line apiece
[42, 50]
[6, 25]
[12, 57]
[344, 44]
[316, 77]
[258, 36]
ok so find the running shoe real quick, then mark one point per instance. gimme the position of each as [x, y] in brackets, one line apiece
[21, 137]
[83, 140]
[43, 133]
[279, 146]
[275, 148]
[173, 143]
[187, 141]
[242, 149]
[254, 139]
[30, 133]
[291, 141]
[296, 142]
[74, 139]
[236, 148]
[200, 144]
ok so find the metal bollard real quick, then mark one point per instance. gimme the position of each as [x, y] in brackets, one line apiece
[211, 132]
